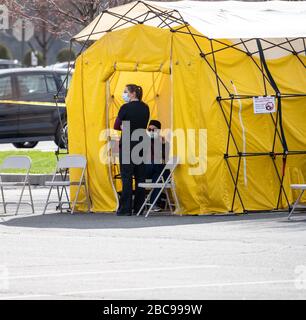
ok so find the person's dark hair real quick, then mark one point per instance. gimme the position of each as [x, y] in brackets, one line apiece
[137, 89]
[155, 123]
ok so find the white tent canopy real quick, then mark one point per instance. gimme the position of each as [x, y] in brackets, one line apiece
[278, 21]
[218, 20]
[237, 19]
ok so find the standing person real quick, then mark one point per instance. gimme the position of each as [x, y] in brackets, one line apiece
[133, 115]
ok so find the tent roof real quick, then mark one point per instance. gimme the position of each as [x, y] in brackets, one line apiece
[218, 20]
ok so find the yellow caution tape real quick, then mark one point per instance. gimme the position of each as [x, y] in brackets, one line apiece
[35, 103]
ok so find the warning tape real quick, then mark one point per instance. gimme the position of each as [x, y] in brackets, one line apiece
[34, 103]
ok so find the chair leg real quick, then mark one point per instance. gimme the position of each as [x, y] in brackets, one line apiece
[3, 200]
[76, 197]
[31, 198]
[177, 204]
[67, 197]
[168, 200]
[155, 200]
[20, 198]
[63, 190]
[295, 204]
[66, 192]
[59, 199]
[47, 202]
[145, 202]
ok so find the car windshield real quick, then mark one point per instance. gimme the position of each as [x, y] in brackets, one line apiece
[32, 84]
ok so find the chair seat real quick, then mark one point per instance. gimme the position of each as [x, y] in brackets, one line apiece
[11, 184]
[61, 183]
[153, 185]
[298, 186]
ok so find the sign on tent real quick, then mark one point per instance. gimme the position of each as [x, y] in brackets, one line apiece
[264, 104]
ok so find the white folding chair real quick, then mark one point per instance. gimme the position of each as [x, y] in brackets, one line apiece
[302, 188]
[66, 163]
[22, 163]
[161, 184]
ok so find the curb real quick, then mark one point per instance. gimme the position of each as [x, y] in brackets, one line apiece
[35, 179]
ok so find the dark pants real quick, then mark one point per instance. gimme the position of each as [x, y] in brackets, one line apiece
[153, 171]
[128, 171]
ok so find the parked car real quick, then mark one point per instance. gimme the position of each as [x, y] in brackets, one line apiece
[8, 64]
[28, 110]
[62, 65]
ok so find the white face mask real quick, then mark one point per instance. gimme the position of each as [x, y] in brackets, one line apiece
[125, 97]
[152, 134]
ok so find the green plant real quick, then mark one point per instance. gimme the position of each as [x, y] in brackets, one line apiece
[42, 162]
[65, 55]
[27, 59]
[4, 52]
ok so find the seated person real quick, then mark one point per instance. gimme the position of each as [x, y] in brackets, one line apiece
[157, 158]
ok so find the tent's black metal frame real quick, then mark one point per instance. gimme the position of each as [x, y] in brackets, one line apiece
[173, 17]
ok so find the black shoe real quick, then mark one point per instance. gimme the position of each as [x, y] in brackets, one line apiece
[123, 214]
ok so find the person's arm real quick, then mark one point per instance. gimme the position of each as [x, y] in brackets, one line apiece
[117, 124]
[119, 119]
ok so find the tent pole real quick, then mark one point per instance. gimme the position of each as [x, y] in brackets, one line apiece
[233, 179]
[236, 183]
[108, 97]
[295, 53]
[279, 111]
[230, 125]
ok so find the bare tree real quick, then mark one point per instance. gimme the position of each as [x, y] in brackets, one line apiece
[48, 25]
[58, 18]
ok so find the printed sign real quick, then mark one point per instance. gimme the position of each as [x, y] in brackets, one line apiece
[4, 20]
[264, 104]
[34, 59]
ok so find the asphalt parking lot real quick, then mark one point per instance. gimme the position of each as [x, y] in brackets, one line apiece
[101, 256]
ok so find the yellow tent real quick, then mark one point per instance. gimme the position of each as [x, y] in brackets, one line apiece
[193, 81]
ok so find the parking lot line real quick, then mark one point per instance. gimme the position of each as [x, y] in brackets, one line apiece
[204, 285]
[187, 286]
[29, 296]
[65, 274]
